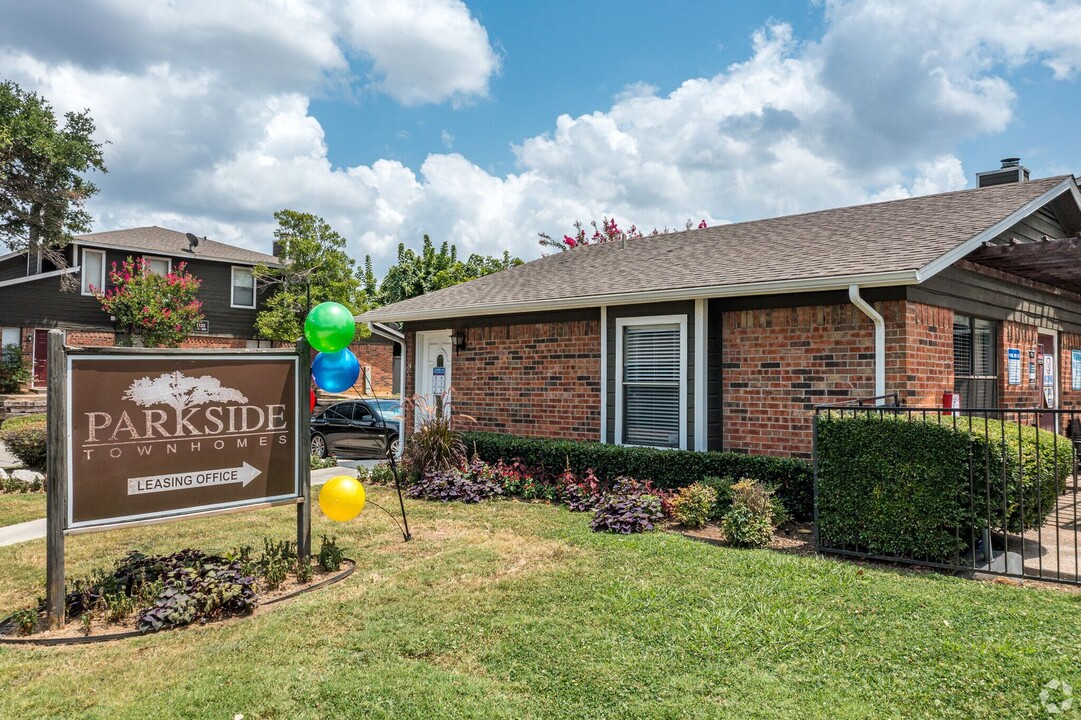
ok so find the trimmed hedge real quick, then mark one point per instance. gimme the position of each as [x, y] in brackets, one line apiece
[791, 479]
[27, 442]
[923, 488]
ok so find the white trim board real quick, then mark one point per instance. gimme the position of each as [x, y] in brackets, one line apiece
[681, 321]
[40, 276]
[701, 316]
[604, 373]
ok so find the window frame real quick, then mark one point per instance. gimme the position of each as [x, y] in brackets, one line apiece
[647, 320]
[995, 378]
[82, 271]
[168, 261]
[232, 287]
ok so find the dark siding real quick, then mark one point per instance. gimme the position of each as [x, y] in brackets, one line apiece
[623, 311]
[42, 304]
[974, 294]
[13, 268]
[714, 387]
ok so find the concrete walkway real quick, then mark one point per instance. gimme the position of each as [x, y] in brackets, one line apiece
[35, 529]
[22, 532]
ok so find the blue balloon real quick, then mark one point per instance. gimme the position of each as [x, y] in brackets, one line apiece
[336, 371]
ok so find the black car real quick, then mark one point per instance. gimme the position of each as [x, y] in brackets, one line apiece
[357, 429]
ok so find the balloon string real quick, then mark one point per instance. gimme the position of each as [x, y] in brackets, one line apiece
[391, 515]
[406, 535]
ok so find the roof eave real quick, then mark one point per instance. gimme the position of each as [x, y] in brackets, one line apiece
[938, 265]
[837, 282]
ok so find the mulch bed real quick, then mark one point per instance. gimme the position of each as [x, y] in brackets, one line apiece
[72, 632]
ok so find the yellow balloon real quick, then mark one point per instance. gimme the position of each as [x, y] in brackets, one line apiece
[342, 498]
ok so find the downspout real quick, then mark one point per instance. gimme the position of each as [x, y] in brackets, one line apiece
[880, 341]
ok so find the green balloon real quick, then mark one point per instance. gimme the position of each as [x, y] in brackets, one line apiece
[329, 327]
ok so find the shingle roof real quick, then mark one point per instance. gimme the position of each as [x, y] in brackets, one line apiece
[879, 238]
[163, 241]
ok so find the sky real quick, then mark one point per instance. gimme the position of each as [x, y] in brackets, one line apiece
[483, 123]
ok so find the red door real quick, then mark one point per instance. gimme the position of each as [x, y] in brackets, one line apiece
[1047, 378]
[41, 355]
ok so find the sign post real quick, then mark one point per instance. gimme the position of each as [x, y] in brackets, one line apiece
[56, 469]
[138, 437]
[304, 469]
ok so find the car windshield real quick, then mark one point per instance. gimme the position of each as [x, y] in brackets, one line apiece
[391, 409]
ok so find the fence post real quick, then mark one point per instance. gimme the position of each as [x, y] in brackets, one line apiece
[304, 508]
[56, 470]
[814, 462]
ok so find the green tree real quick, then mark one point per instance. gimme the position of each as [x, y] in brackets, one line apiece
[42, 188]
[313, 261]
[419, 273]
[155, 310]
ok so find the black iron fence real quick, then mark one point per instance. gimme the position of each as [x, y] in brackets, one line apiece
[979, 490]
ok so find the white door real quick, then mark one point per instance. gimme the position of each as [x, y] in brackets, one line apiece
[433, 374]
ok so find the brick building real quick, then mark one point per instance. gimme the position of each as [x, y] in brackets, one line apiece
[32, 300]
[728, 337]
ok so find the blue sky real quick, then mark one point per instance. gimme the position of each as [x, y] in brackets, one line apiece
[484, 123]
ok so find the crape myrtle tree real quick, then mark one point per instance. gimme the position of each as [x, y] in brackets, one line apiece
[429, 270]
[42, 188]
[315, 268]
[152, 310]
[606, 231]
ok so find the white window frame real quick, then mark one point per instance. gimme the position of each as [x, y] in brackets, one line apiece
[82, 271]
[168, 260]
[681, 321]
[232, 287]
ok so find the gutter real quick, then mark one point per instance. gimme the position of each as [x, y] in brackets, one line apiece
[880, 340]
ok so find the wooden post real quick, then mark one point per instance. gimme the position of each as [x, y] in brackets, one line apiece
[304, 432]
[56, 468]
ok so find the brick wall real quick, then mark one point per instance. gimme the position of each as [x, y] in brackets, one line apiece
[1069, 399]
[919, 352]
[777, 364]
[536, 379]
[379, 358]
[1022, 337]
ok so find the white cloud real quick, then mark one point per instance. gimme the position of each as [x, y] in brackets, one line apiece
[208, 113]
[423, 50]
[447, 139]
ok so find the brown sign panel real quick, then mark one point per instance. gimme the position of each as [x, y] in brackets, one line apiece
[154, 436]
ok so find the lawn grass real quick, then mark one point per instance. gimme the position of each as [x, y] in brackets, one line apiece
[513, 610]
[20, 507]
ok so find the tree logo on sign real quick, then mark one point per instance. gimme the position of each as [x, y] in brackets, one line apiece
[181, 392]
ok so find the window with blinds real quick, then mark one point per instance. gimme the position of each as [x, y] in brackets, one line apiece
[651, 385]
[975, 369]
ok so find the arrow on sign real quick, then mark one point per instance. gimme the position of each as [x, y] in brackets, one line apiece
[186, 481]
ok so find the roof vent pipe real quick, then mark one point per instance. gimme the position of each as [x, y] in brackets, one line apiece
[623, 241]
[880, 341]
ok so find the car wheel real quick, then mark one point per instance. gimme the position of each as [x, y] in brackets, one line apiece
[393, 449]
[319, 446]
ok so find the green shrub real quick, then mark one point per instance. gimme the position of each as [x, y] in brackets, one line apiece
[923, 487]
[749, 522]
[14, 370]
[27, 442]
[743, 528]
[318, 463]
[791, 479]
[694, 505]
[381, 474]
[330, 555]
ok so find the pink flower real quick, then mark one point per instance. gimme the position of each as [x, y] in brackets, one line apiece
[569, 241]
[702, 225]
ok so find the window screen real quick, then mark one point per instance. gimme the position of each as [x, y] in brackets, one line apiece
[243, 288]
[93, 271]
[974, 366]
[651, 374]
[157, 265]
